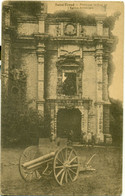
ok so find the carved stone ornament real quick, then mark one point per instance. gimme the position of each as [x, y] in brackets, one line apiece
[58, 30]
[69, 62]
[17, 74]
[70, 29]
[83, 31]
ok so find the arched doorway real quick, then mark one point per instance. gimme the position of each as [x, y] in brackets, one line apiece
[69, 119]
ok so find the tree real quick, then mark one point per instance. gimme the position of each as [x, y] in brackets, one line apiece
[116, 121]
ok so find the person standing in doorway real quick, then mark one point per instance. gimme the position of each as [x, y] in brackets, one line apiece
[70, 137]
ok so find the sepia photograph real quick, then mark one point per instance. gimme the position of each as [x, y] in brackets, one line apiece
[62, 98]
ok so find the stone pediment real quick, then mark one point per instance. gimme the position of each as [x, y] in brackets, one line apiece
[70, 63]
[69, 56]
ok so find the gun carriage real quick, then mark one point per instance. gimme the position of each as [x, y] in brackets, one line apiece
[60, 161]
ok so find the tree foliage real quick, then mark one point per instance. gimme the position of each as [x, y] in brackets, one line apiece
[116, 121]
[22, 126]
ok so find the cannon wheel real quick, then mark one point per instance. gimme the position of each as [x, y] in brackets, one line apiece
[29, 154]
[66, 165]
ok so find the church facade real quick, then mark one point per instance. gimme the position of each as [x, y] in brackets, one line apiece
[63, 65]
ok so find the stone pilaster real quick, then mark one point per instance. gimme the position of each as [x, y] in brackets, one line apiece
[55, 120]
[41, 18]
[52, 120]
[105, 79]
[41, 24]
[91, 118]
[85, 125]
[40, 74]
[99, 62]
[62, 30]
[99, 118]
[99, 25]
[82, 122]
[99, 28]
[78, 29]
[40, 55]
[91, 123]
[82, 117]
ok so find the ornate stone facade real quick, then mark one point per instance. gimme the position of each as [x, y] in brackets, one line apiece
[53, 51]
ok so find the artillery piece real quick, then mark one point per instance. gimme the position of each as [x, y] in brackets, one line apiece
[62, 162]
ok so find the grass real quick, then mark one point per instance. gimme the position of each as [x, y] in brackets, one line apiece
[105, 180]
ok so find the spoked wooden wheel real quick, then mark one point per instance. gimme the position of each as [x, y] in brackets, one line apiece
[29, 154]
[66, 165]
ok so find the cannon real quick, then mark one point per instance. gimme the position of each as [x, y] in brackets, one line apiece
[63, 163]
[49, 159]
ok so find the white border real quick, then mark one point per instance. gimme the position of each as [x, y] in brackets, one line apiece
[123, 182]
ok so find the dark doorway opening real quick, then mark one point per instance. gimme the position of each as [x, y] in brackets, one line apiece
[69, 119]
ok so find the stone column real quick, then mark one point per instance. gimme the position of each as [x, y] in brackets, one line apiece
[62, 31]
[99, 118]
[85, 125]
[41, 18]
[52, 120]
[82, 122]
[91, 117]
[41, 24]
[53, 124]
[40, 54]
[91, 123]
[82, 117]
[105, 79]
[55, 120]
[99, 25]
[99, 28]
[99, 62]
[99, 105]
[40, 74]
[78, 29]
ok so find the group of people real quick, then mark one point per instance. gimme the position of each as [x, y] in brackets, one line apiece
[87, 138]
[69, 134]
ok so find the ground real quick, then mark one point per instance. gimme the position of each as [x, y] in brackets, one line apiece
[105, 180]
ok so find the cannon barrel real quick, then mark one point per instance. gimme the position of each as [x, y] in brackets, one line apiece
[38, 161]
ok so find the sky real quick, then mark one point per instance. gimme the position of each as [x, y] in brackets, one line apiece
[116, 88]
